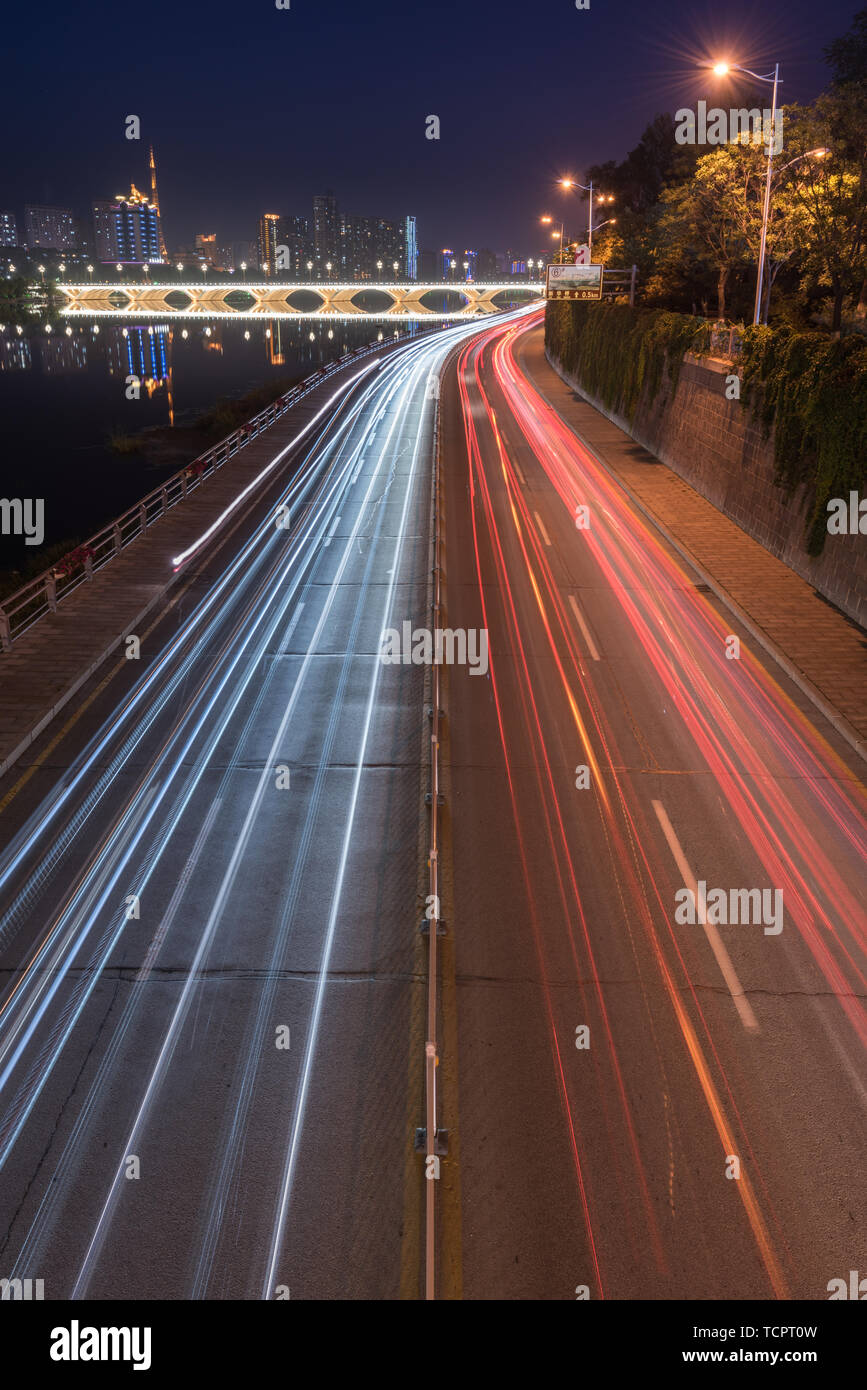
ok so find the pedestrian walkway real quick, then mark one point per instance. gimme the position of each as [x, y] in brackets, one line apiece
[50, 662]
[823, 651]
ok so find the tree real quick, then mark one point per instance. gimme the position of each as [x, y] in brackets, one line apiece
[704, 220]
[831, 192]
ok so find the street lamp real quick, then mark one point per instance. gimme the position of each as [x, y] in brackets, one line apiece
[379, 268]
[41, 269]
[721, 70]
[244, 271]
[328, 267]
[90, 273]
[588, 188]
[309, 270]
[395, 265]
[204, 267]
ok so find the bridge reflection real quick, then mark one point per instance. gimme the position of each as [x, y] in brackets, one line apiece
[408, 301]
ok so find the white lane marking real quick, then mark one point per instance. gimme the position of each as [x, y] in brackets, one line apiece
[541, 527]
[584, 628]
[330, 537]
[723, 959]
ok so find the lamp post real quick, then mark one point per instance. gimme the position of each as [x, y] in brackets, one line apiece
[819, 153]
[90, 273]
[379, 269]
[328, 268]
[244, 271]
[721, 70]
[309, 270]
[588, 188]
[562, 233]
[395, 265]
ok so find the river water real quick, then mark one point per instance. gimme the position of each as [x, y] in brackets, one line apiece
[63, 395]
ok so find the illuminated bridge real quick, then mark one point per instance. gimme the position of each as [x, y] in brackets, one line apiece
[411, 300]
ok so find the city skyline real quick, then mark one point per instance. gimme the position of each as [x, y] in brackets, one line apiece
[271, 138]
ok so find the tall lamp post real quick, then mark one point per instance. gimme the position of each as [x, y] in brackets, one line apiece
[721, 70]
[587, 188]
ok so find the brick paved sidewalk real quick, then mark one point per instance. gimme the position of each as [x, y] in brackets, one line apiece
[819, 647]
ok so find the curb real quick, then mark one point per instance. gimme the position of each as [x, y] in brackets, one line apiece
[837, 720]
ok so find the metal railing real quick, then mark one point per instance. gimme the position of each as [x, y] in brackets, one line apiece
[431, 1061]
[616, 283]
[41, 595]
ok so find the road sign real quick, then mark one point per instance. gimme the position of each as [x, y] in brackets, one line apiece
[574, 282]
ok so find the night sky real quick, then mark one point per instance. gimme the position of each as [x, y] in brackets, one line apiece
[251, 108]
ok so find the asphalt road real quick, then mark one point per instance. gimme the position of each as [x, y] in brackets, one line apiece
[213, 984]
[212, 977]
[713, 1050]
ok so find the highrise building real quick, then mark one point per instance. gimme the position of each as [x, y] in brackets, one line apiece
[127, 230]
[429, 266]
[486, 264]
[326, 233]
[268, 241]
[49, 229]
[8, 229]
[410, 249]
[294, 237]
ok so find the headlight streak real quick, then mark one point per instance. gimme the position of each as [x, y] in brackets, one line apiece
[795, 741]
[623, 859]
[126, 837]
[253, 554]
[66, 941]
[222, 895]
[694, 639]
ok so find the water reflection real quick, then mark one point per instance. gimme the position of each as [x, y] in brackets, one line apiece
[91, 449]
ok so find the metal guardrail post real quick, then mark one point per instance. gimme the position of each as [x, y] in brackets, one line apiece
[51, 592]
[143, 516]
[118, 538]
[5, 632]
[430, 1051]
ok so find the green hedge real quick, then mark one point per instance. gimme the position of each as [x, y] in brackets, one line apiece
[615, 351]
[812, 391]
[809, 388]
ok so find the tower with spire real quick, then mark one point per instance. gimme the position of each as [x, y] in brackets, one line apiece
[156, 202]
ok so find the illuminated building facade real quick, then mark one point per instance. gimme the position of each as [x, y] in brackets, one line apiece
[8, 229]
[128, 230]
[269, 224]
[50, 229]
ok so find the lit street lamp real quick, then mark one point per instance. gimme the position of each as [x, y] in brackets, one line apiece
[41, 269]
[721, 70]
[90, 273]
[328, 267]
[379, 269]
[588, 188]
[309, 270]
[395, 265]
[244, 271]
